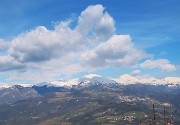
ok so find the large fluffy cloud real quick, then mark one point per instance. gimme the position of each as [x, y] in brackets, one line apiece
[90, 44]
[42, 44]
[118, 51]
[8, 63]
[163, 64]
[95, 21]
[57, 51]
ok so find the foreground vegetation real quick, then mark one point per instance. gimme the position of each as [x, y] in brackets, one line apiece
[100, 106]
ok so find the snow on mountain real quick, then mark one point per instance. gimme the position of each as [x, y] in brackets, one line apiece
[171, 80]
[25, 85]
[127, 79]
[150, 80]
[48, 84]
[2, 85]
[16, 93]
[93, 79]
[65, 83]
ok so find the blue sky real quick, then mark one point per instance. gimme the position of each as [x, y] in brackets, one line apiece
[49, 39]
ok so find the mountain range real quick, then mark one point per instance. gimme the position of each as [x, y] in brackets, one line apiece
[10, 94]
[91, 97]
[15, 93]
[125, 79]
[93, 79]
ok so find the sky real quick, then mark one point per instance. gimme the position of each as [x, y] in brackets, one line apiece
[45, 40]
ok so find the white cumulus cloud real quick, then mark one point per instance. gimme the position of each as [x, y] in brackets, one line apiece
[42, 44]
[52, 52]
[163, 64]
[92, 43]
[135, 72]
[95, 21]
[118, 51]
[9, 63]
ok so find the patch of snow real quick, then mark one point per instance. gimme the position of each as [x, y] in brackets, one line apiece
[2, 85]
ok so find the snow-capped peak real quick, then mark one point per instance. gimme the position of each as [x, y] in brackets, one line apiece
[48, 84]
[127, 79]
[65, 83]
[94, 79]
[171, 80]
[2, 85]
[91, 79]
[86, 80]
[25, 85]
